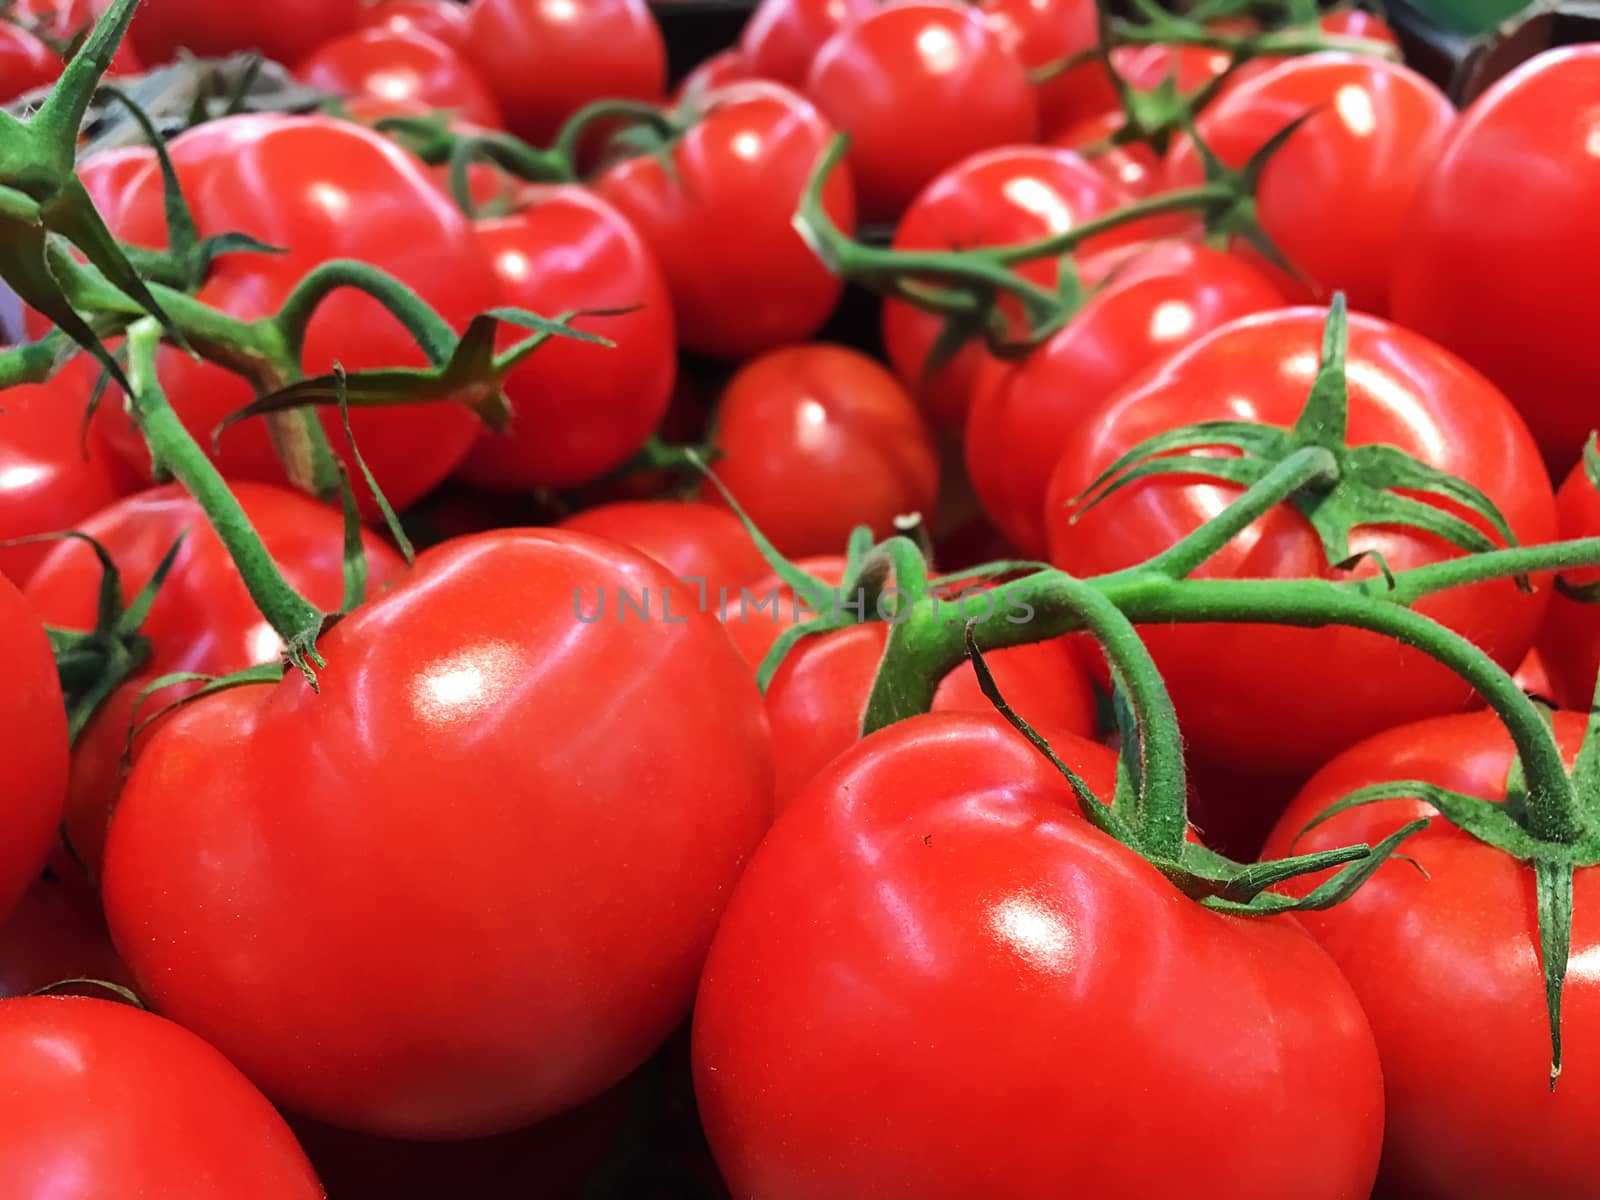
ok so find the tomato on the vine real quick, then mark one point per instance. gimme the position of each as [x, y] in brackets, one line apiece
[927, 936]
[718, 71]
[442, 19]
[26, 63]
[782, 37]
[1335, 195]
[692, 539]
[815, 440]
[1228, 680]
[1134, 167]
[718, 212]
[578, 409]
[104, 1099]
[284, 30]
[1570, 639]
[33, 766]
[1444, 954]
[919, 86]
[401, 65]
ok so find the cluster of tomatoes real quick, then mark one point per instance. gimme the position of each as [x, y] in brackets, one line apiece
[551, 862]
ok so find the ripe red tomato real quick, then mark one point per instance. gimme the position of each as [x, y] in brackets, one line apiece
[1155, 300]
[401, 65]
[1334, 197]
[1342, 22]
[51, 476]
[931, 931]
[545, 59]
[1144, 68]
[459, 797]
[33, 755]
[718, 71]
[1228, 681]
[1042, 33]
[442, 19]
[1134, 167]
[1511, 296]
[26, 63]
[782, 37]
[578, 410]
[57, 933]
[818, 439]
[816, 698]
[693, 540]
[202, 619]
[756, 615]
[992, 198]
[285, 30]
[919, 86]
[106, 1099]
[1570, 639]
[719, 215]
[324, 174]
[1439, 959]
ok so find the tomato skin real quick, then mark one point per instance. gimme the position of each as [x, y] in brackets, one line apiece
[285, 30]
[1025, 412]
[1043, 32]
[816, 699]
[546, 987]
[718, 71]
[33, 767]
[817, 439]
[1335, 197]
[1135, 167]
[545, 61]
[122, 1102]
[690, 538]
[720, 221]
[441, 19]
[578, 410]
[781, 39]
[1228, 681]
[1447, 967]
[322, 171]
[26, 63]
[992, 198]
[57, 933]
[398, 65]
[930, 930]
[1570, 639]
[918, 86]
[1512, 297]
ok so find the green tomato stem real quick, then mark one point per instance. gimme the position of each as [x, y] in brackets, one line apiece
[432, 333]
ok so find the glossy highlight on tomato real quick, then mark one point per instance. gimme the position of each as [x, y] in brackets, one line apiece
[399, 65]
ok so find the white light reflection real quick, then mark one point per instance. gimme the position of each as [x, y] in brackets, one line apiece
[1035, 932]
[1044, 202]
[12, 478]
[463, 685]
[940, 51]
[334, 201]
[1170, 321]
[811, 425]
[1354, 106]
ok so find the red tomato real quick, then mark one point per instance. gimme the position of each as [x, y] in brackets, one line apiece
[1570, 639]
[1358, 23]
[442, 19]
[930, 932]
[545, 59]
[756, 615]
[1440, 958]
[579, 410]
[322, 173]
[33, 755]
[1155, 300]
[202, 619]
[818, 439]
[1228, 681]
[993, 198]
[105, 1099]
[26, 63]
[66, 20]
[816, 699]
[285, 30]
[1512, 296]
[691, 539]
[718, 71]
[782, 37]
[1145, 68]
[459, 797]
[51, 477]
[919, 86]
[57, 933]
[719, 215]
[1134, 167]
[1334, 197]
[487, 182]
[1532, 677]
[401, 65]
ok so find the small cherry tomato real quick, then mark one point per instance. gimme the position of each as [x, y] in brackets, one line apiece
[782, 37]
[441, 19]
[401, 65]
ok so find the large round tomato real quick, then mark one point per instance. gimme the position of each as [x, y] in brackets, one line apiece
[285, 30]
[578, 410]
[26, 63]
[932, 943]
[1042, 33]
[103, 1099]
[33, 754]
[1570, 639]
[693, 540]
[508, 775]
[782, 37]
[1334, 197]
[1154, 300]
[919, 86]
[1445, 960]
[993, 198]
[1512, 295]
[400, 65]
[817, 439]
[719, 214]
[322, 189]
[442, 19]
[545, 60]
[1284, 698]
